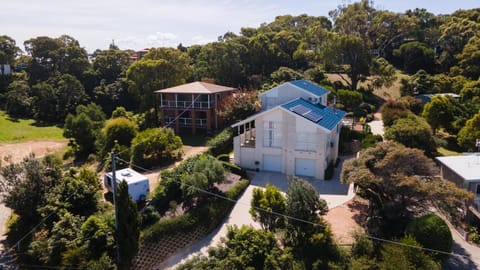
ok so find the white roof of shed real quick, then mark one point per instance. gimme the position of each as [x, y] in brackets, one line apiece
[467, 165]
[130, 176]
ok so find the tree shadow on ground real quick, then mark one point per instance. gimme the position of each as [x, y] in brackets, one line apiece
[360, 208]
[461, 262]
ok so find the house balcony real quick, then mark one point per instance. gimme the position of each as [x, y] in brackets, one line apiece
[187, 122]
[186, 104]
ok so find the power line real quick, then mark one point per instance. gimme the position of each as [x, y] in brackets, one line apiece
[306, 221]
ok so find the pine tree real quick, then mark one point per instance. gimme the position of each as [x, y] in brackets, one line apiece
[128, 231]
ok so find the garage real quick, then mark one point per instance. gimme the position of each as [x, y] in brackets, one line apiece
[272, 163]
[305, 167]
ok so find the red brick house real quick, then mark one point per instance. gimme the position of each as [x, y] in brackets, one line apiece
[192, 106]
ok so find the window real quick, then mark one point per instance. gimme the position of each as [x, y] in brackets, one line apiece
[306, 142]
[272, 134]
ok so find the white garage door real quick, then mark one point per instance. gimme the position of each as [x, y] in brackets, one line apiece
[272, 163]
[305, 167]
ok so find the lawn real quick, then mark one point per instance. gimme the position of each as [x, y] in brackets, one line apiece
[446, 152]
[21, 130]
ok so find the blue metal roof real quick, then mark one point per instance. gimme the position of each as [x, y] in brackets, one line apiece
[329, 118]
[310, 87]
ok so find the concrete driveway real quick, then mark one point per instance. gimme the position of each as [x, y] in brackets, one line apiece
[334, 192]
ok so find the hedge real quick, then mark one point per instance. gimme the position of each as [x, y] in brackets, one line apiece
[222, 143]
[235, 169]
[209, 214]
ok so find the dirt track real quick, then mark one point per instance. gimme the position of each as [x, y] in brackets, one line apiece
[15, 152]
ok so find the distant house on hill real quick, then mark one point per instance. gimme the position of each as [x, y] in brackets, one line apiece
[295, 133]
[193, 106]
[425, 98]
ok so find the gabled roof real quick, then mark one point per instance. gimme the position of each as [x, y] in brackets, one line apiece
[304, 85]
[328, 117]
[196, 88]
[319, 114]
[310, 87]
[467, 165]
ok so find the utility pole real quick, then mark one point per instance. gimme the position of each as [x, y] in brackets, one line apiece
[114, 180]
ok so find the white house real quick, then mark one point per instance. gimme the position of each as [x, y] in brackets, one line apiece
[463, 170]
[296, 133]
[291, 90]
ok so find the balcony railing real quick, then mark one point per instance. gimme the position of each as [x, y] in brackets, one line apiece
[185, 104]
[187, 122]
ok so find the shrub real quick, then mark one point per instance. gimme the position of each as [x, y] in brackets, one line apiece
[329, 170]
[235, 169]
[224, 157]
[371, 140]
[222, 143]
[431, 232]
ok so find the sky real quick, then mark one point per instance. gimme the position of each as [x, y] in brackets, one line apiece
[142, 24]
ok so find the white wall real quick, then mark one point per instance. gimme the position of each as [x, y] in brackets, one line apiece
[291, 125]
[284, 93]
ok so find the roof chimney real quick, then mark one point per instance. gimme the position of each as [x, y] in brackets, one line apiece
[208, 80]
[335, 104]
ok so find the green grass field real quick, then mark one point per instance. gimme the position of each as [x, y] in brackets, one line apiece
[21, 130]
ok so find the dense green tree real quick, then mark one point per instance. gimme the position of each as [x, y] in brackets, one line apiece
[155, 146]
[308, 234]
[222, 61]
[349, 55]
[8, 50]
[397, 181]
[112, 95]
[128, 231]
[469, 59]
[19, 100]
[393, 110]
[350, 99]
[206, 172]
[470, 133]
[439, 112]
[83, 128]
[159, 68]
[25, 185]
[415, 56]
[413, 132]
[70, 93]
[119, 131]
[76, 193]
[470, 90]
[404, 256]
[456, 32]
[284, 74]
[431, 232]
[95, 245]
[51, 55]
[44, 102]
[244, 248]
[384, 73]
[111, 64]
[420, 83]
[263, 202]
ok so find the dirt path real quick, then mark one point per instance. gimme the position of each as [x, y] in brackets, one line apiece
[15, 152]
[346, 219]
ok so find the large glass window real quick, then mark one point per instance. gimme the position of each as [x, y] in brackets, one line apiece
[272, 134]
[306, 142]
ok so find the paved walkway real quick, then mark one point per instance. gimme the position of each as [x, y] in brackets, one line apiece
[334, 192]
[376, 125]
[470, 254]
